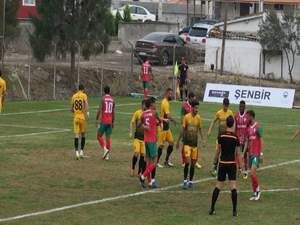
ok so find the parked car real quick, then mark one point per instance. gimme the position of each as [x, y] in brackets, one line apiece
[137, 13]
[183, 33]
[158, 47]
[198, 34]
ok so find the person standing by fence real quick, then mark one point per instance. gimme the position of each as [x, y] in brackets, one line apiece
[145, 76]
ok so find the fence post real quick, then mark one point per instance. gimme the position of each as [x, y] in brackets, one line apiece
[78, 63]
[173, 77]
[102, 65]
[131, 58]
[54, 71]
[29, 72]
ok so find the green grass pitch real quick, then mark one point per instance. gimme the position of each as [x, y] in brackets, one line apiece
[38, 172]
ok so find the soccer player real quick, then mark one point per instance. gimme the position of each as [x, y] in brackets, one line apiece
[2, 91]
[149, 121]
[241, 120]
[186, 108]
[191, 128]
[80, 110]
[297, 133]
[227, 154]
[183, 78]
[220, 117]
[138, 143]
[145, 76]
[105, 119]
[165, 134]
[254, 146]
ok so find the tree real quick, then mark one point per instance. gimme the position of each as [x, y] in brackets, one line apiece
[11, 22]
[70, 23]
[280, 35]
[127, 14]
[117, 20]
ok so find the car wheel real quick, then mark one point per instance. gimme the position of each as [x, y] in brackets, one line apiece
[165, 58]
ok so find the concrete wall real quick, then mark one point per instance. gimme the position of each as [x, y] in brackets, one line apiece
[243, 57]
[134, 31]
[251, 25]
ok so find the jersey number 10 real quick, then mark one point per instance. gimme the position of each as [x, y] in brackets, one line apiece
[108, 107]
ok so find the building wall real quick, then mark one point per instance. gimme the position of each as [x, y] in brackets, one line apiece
[25, 12]
[251, 25]
[244, 57]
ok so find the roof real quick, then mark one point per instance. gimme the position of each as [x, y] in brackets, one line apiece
[265, 1]
[242, 19]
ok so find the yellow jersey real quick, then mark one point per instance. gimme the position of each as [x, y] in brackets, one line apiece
[164, 112]
[139, 131]
[221, 116]
[2, 87]
[78, 102]
[191, 125]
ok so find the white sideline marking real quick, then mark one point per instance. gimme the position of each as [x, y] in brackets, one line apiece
[239, 191]
[58, 110]
[36, 133]
[125, 196]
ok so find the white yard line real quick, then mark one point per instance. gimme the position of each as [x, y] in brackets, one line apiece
[58, 110]
[125, 196]
[36, 133]
[239, 191]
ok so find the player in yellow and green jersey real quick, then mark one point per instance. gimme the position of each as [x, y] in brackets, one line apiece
[2, 91]
[138, 142]
[164, 132]
[80, 109]
[220, 117]
[191, 128]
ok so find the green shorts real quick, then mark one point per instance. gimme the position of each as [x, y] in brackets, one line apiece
[146, 84]
[254, 161]
[151, 149]
[105, 129]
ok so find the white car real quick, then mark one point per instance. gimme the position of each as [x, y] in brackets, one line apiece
[198, 33]
[137, 13]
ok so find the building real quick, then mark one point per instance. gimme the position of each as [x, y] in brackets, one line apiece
[27, 8]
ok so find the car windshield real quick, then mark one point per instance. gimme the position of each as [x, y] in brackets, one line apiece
[154, 37]
[198, 32]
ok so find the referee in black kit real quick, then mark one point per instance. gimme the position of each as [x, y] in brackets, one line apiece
[227, 154]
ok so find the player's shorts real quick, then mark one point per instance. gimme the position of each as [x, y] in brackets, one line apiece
[226, 170]
[105, 129]
[139, 146]
[146, 84]
[151, 149]
[254, 161]
[190, 152]
[165, 136]
[79, 126]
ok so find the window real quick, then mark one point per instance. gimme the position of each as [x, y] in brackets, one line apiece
[278, 6]
[133, 10]
[170, 39]
[29, 2]
[141, 11]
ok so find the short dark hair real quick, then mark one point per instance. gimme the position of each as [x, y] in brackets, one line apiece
[106, 89]
[226, 101]
[242, 102]
[169, 89]
[80, 87]
[229, 121]
[194, 103]
[191, 95]
[148, 103]
[251, 113]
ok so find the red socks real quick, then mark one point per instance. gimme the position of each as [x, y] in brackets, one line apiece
[254, 183]
[100, 141]
[108, 145]
[148, 170]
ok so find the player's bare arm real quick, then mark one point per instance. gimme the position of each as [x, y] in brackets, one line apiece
[86, 105]
[113, 116]
[212, 125]
[202, 136]
[217, 155]
[179, 138]
[297, 133]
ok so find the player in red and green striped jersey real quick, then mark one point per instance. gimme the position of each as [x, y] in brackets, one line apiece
[254, 146]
